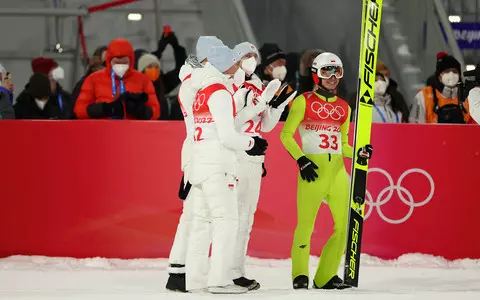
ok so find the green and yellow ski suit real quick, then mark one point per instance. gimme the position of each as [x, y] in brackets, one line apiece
[323, 124]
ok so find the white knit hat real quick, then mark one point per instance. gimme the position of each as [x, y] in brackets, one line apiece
[2, 69]
[243, 49]
[204, 44]
[221, 58]
[145, 60]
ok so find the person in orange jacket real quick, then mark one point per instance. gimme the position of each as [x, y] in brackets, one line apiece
[118, 91]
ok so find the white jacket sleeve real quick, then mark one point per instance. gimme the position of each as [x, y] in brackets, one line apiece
[221, 108]
[474, 104]
[418, 111]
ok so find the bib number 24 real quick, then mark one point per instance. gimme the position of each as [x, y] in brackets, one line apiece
[251, 125]
[328, 141]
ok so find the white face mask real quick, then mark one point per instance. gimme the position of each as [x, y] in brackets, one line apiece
[58, 73]
[120, 69]
[279, 73]
[249, 65]
[239, 77]
[41, 104]
[380, 87]
[450, 79]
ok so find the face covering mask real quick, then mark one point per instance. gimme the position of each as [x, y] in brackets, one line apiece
[152, 73]
[120, 69]
[249, 65]
[41, 104]
[380, 87]
[58, 73]
[450, 79]
[279, 73]
[239, 77]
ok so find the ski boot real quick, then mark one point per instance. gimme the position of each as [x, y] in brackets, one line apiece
[250, 284]
[176, 283]
[300, 282]
[333, 284]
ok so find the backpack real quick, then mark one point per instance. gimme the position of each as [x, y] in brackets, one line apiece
[449, 113]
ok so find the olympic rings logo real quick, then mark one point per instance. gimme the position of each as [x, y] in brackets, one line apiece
[199, 101]
[401, 191]
[327, 110]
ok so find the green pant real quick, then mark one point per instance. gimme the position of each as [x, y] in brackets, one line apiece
[332, 185]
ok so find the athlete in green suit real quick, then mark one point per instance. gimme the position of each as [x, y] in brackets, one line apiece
[323, 121]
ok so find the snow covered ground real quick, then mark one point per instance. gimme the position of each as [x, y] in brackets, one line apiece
[409, 277]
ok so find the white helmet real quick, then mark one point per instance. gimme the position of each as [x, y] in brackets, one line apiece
[326, 65]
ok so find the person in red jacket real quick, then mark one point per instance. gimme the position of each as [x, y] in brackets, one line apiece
[118, 91]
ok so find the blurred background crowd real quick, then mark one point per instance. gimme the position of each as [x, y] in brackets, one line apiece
[55, 46]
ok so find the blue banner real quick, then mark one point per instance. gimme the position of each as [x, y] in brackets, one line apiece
[467, 35]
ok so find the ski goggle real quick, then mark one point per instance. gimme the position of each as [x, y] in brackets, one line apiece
[329, 71]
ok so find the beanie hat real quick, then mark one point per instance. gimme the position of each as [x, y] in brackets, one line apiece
[2, 69]
[445, 61]
[43, 65]
[147, 59]
[221, 58]
[204, 44]
[39, 86]
[270, 52]
[243, 49]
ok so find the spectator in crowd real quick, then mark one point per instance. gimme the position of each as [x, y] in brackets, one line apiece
[58, 97]
[35, 102]
[6, 95]
[273, 66]
[96, 63]
[164, 83]
[439, 101]
[118, 91]
[392, 89]
[293, 62]
[385, 109]
[306, 60]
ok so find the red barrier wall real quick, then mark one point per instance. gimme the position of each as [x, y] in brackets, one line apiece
[106, 188]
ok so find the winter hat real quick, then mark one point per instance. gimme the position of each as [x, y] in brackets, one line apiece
[270, 52]
[43, 65]
[221, 58]
[39, 86]
[2, 69]
[243, 49]
[446, 61]
[145, 60]
[204, 44]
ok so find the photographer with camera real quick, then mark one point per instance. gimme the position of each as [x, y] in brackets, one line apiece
[472, 88]
[441, 101]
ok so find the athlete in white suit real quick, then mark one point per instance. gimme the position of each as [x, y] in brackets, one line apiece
[474, 103]
[212, 169]
[186, 97]
[254, 116]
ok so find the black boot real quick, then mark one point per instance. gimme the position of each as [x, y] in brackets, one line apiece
[251, 284]
[300, 282]
[333, 284]
[176, 283]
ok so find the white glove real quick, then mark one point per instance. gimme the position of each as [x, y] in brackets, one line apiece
[271, 89]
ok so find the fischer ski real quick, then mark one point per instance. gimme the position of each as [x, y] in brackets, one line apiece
[370, 34]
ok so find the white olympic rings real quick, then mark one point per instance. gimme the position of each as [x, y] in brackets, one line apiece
[410, 202]
[199, 101]
[326, 110]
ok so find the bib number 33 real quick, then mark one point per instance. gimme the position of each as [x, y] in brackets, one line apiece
[328, 141]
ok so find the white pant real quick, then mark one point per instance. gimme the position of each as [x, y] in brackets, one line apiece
[249, 175]
[178, 252]
[215, 208]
